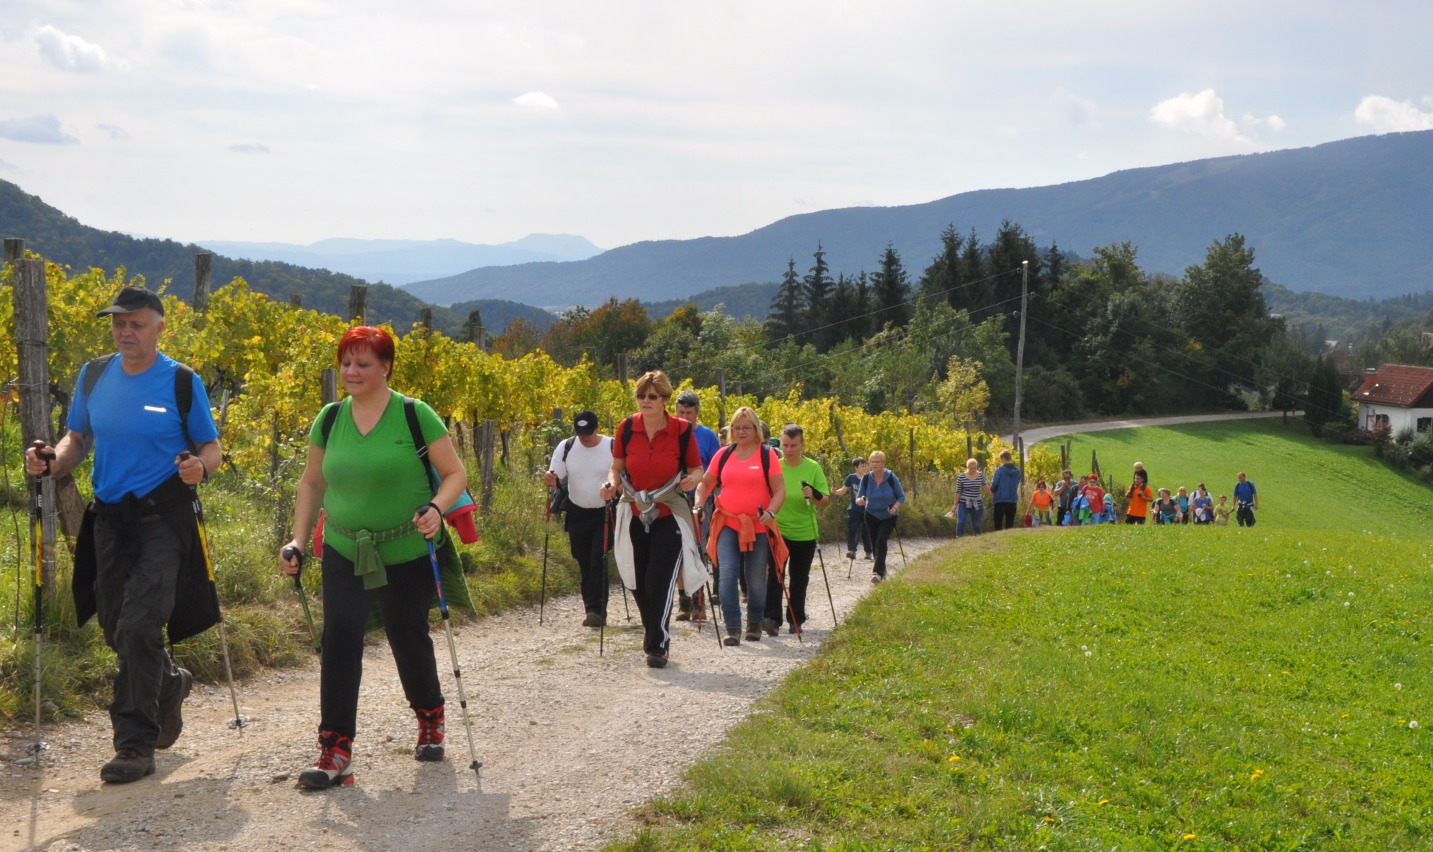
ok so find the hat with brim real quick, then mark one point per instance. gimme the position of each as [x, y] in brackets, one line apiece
[585, 423]
[132, 299]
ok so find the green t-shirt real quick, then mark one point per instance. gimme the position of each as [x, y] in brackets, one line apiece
[376, 481]
[796, 519]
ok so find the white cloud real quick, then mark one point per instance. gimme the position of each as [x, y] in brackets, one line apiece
[249, 148]
[42, 129]
[1201, 114]
[1385, 115]
[536, 100]
[1077, 110]
[1274, 123]
[114, 131]
[70, 52]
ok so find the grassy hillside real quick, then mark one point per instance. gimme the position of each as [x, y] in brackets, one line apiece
[1115, 687]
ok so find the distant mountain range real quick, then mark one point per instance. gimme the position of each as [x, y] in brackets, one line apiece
[1348, 218]
[404, 261]
[62, 239]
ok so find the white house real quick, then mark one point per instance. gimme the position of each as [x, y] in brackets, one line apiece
[1397, 395]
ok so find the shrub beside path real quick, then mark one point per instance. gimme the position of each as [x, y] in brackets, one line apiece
[570, 742]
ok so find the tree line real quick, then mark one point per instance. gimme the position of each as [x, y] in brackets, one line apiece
[1104, 336]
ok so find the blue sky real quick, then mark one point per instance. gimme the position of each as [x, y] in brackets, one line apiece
[297, 120]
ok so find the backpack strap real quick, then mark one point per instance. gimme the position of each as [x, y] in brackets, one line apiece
[728, 451]
[183, 390]
[684, 440]
[567, 447]
[420, 445]
[325, 424]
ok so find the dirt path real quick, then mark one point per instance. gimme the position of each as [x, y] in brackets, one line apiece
[570, 743]
[1032, 437]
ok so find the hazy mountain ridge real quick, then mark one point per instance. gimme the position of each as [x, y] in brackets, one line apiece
[1346, 218]
[403, 261]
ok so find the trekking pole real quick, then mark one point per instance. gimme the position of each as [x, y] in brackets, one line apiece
[239, 721]
[452, 648]
[827, 580]
[546, 534]
[864, 532]
[896, 528]
[785, 595]
[42, 552]
[298, 555]
[707, 586]
[626, 607]
[606, 586]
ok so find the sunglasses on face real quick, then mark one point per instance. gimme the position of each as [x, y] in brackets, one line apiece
[650, 396]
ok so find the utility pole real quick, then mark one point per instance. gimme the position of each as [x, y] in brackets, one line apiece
[1020, 350]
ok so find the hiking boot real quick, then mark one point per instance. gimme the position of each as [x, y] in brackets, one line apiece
[793, 628]
[733, 636]
[753, 632]
[126, 766]
[171, 723]
[430, 734]
[716, 598]
[876, 579]
[656, 661]
[594, 619]
[334, 767]
[770, 626]
[684, 607]
[851, 554]
[869, 557]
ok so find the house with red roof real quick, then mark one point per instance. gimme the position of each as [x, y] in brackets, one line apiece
[1398, 396]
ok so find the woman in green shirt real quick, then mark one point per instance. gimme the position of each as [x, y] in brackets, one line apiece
[806, 491]
[365, 473]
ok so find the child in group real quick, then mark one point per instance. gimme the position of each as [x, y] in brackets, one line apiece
[1182, 496]
[1095, 496]
[1042, 505]
[1222, 511]
[1166, 508]
[1203, 505]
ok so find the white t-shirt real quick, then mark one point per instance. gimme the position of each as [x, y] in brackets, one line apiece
[585, 470]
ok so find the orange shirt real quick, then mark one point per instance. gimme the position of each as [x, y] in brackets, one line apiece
[1042, 499]
[1139, 501]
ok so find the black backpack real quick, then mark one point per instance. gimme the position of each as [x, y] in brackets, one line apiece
[183, 390]
[684, 440]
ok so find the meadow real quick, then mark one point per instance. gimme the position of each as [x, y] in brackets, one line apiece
[1115, 687]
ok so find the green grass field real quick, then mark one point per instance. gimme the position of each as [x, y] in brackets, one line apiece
[1115, 687]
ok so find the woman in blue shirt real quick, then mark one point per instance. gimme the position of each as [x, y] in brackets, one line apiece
[882, 496]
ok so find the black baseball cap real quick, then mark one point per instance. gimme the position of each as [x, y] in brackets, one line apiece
[585, 423]
[131, 299]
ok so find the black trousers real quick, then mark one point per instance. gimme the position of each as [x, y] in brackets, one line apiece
[137, 569]
[1004, 515]
[880, 530]
[589, 538]
[655, 556]
[798, 577]
[403, 602]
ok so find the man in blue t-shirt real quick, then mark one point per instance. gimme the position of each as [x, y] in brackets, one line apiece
[134, 557]
[1246, 498]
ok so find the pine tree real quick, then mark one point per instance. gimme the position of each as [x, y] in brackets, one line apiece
[787, 306]
[816, 287]
[891, 291]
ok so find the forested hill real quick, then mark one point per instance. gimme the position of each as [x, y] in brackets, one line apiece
[62, 239]
[1346, 218]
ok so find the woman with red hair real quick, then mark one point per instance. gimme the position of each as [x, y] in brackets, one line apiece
[364, 472]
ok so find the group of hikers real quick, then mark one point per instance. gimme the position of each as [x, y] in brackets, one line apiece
[676, 503]
[1085, 502]
[665, 493]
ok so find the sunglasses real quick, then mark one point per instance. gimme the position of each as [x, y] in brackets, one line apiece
[650, 396]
